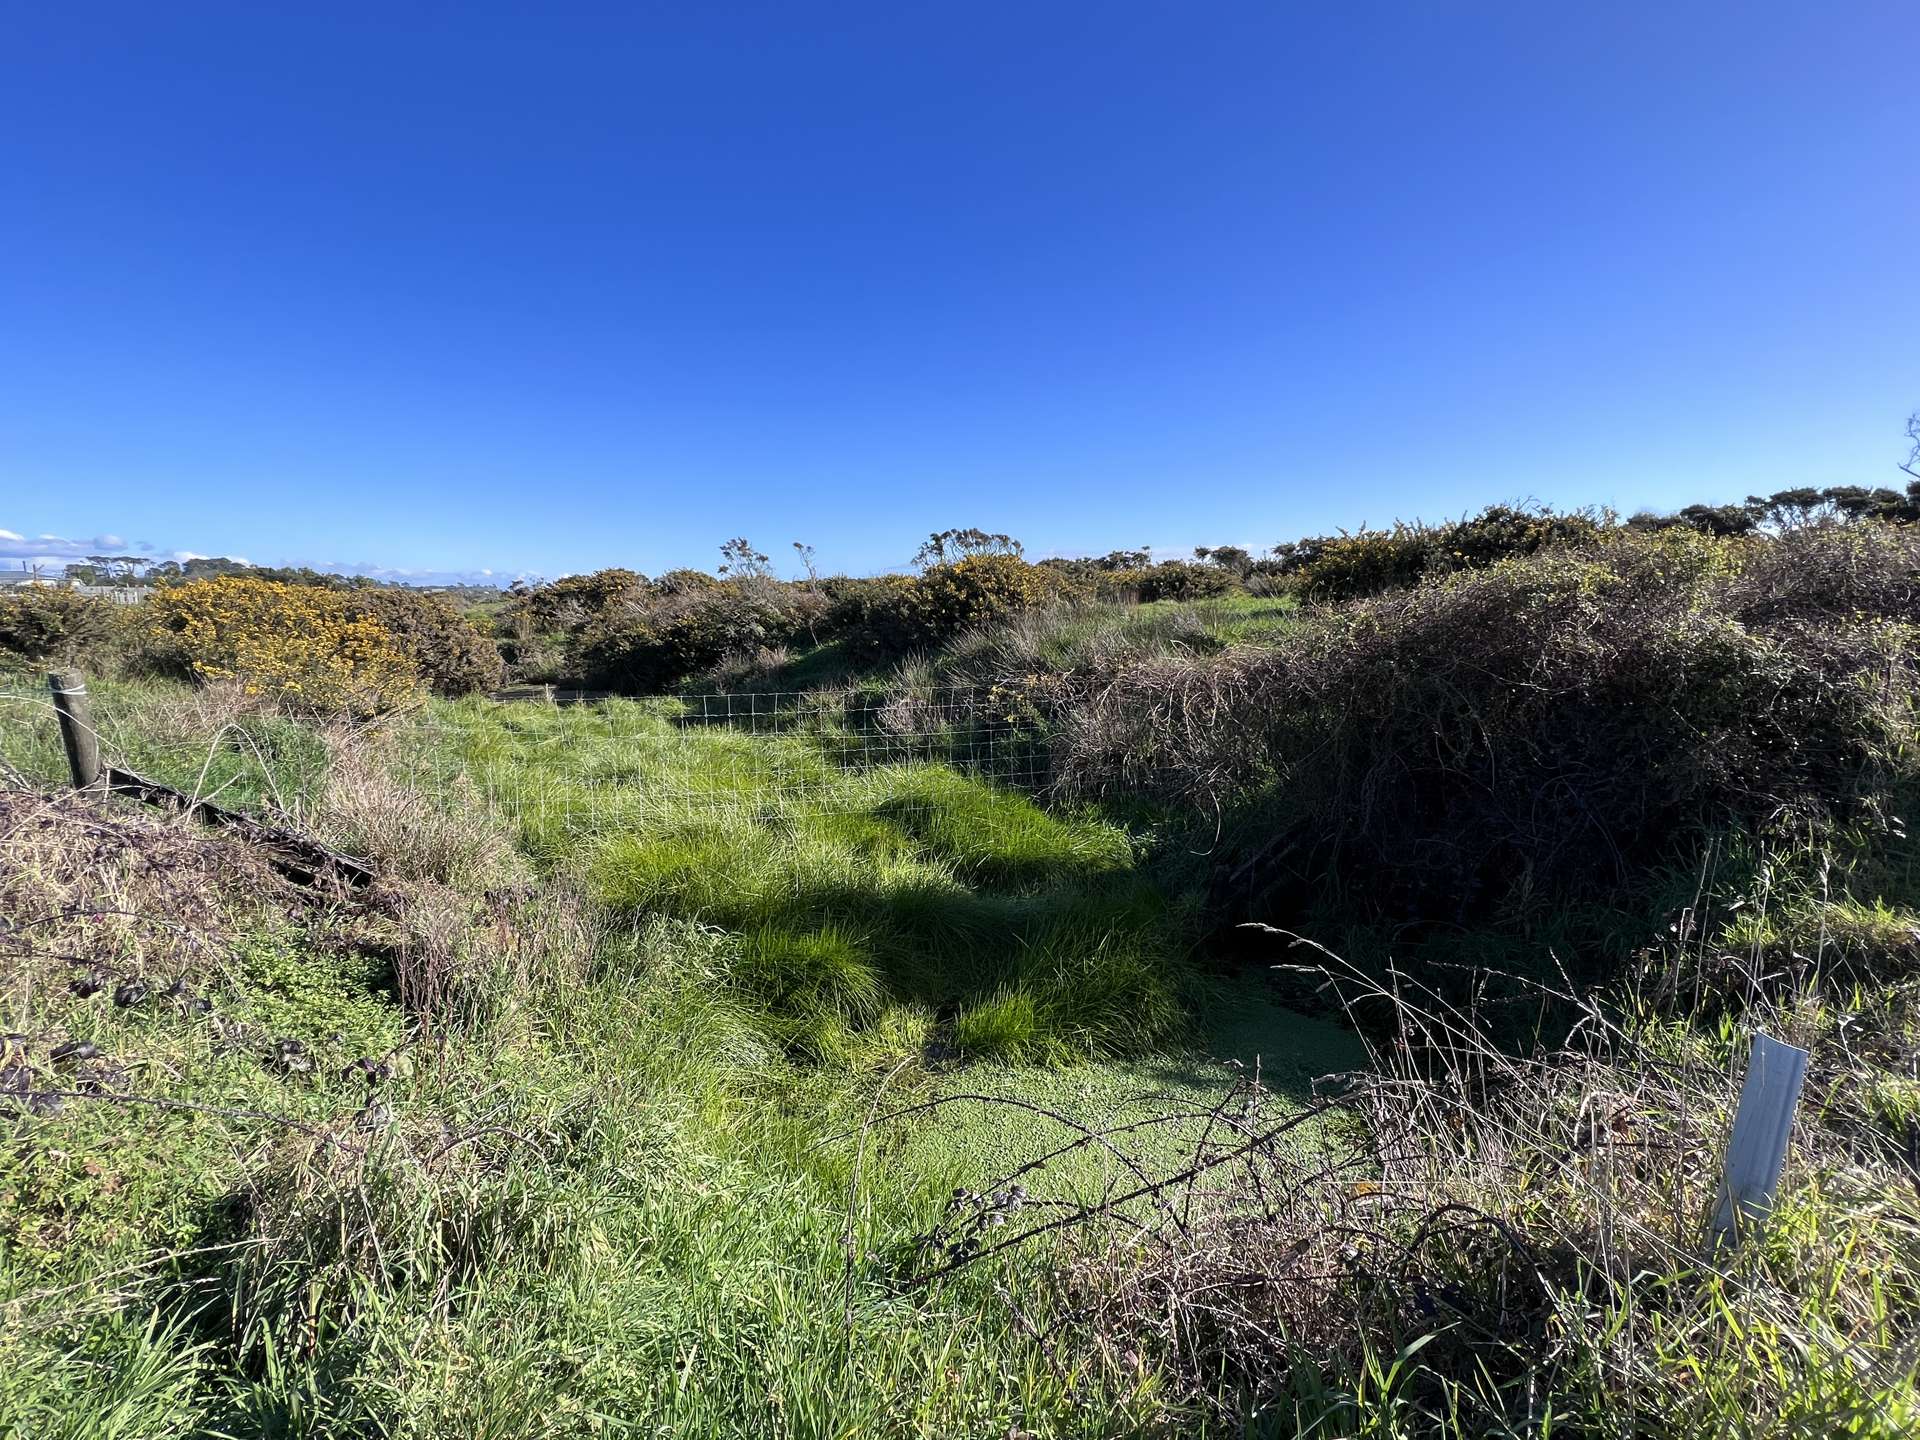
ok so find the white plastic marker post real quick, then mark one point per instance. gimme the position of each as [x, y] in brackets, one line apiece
[1758, 1150]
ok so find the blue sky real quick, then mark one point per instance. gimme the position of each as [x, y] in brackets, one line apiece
[541, 288]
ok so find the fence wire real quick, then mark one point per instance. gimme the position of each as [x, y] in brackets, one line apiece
[756, 755]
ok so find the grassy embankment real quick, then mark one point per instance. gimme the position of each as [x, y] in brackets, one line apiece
[599, 1195]
[1661, 775]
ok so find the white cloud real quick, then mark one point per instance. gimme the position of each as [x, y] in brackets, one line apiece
[15, 546]
[52, 552]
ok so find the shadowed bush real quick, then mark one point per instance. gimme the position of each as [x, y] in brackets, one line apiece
[1553, 724]
[896, 615]
[53, 623]
[450, 655]
[1181, 580]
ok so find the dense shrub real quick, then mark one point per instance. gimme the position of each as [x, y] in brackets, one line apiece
[861, 611]
[571, 601]
[657, 640]
[45, 622]
[302, 646]
[451, 656]
[1126, 585]
[1330, 569]
[1182, 580]
[896, 614]
[1549, 724]
[1348, 567]
[1502, 530]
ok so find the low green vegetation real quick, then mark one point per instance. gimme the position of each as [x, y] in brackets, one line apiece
[1281, 1007]
[874, 899]
[609, 1205]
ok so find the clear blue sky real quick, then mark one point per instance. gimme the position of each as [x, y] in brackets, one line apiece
[546, 287]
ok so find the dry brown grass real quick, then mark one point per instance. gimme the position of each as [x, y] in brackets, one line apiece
[117, 893]
[1463, 1242]
[469, 931]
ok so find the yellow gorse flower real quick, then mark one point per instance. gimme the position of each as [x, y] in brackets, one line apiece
[298, 644]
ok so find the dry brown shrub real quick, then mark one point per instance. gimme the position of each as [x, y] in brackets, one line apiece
[469, 932]
[1552, 721]
[121, 893]
[1534, 1229]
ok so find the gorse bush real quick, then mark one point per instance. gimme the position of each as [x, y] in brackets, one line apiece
[617, 629]
[46, 622]
[449, 654]
[898, 615]
[1330, 569]
[1553, 723]
[302, 646]
[1181, 580]
[863, 612]
[659, 637]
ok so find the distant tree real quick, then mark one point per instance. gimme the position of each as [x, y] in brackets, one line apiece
[1857, 502]
[946, 546]
[1788, 509]
[1912, 463]
[1125, 559]
[740, 561]
[1227, 557]
[1719, 519]
[805, 552]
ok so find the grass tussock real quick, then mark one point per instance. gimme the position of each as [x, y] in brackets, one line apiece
[309, 1208]
[466, 932]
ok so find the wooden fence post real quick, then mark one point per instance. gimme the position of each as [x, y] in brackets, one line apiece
[1757, 1151]
[75, 708]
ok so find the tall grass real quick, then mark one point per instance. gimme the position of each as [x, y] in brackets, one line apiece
[461, 1160]
[938, 889]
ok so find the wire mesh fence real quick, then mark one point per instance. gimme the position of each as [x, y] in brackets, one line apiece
[592, 765]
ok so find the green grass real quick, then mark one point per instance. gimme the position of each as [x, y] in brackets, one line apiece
[623, 1200]
[255, 761]
[661, 1256]
[642, 1224]
[1242, 1035]
[947, 888]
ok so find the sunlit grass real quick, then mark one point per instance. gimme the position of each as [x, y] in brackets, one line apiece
[952, 887]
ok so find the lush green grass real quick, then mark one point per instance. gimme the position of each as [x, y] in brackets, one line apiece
[619, 1204]
[202, 743]
[1232, 619]
[622, 1200]
[645, 1237]
[927, 892]
[1243, 1038]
